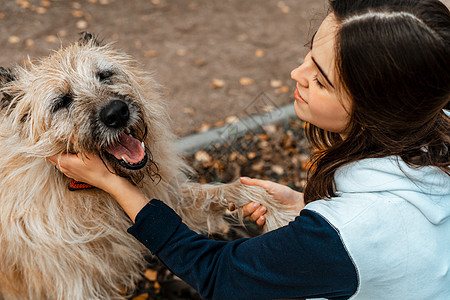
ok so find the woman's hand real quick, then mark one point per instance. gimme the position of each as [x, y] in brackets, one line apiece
[89, 169]
[92, 170]
[284, 194]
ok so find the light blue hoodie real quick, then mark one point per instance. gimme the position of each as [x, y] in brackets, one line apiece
[394, 221]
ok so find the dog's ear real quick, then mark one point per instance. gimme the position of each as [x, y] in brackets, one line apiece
[90, 39]
[6, 76]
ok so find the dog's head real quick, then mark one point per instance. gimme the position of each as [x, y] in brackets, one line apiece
[86, 98]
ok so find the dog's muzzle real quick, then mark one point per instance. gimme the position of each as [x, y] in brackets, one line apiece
[128, 150]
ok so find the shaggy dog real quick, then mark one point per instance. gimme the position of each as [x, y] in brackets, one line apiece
[61, 244]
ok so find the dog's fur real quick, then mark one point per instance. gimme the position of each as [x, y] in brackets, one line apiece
[59, 244]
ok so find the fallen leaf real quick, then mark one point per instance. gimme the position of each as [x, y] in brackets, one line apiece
[284, 89]
[199, 62]
[181, 52]
[279, 170]
[202, 156]
[13, 39]
[204, 127]
[24, 4]
[29, 42]
[77, 13]
[258, 166]
[104, 2]
[76, 5]
[251, 155]
[41, 10]
[276, 83]
[46, 3]
[231, 120]
[286, 9]
[82, 24]
[143, 296]
[246, 81]
[150, 53]
[218, 124]
[51, 38]
[151, 274]
[218, 83]
[62, 33]
[188, 110]
[259, 53]
[2, 15]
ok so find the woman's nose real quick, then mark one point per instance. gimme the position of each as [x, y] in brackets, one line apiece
[299, 75]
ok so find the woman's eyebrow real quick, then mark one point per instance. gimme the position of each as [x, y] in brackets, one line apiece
[322, 72]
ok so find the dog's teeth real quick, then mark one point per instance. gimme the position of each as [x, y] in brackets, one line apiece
[125, 160]
[143, 145]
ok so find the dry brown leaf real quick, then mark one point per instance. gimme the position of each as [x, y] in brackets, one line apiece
[259, 53]
[231, 120]
[218, 124]
[218, 83]
[202, 156]
[188, 110]
[181, 52]
[263, 136]
[104, 2]
[51, 38]
[276, 83]
[45, 3]
[41, 10]
[77, 13]
[204, 127]
[251, 155]
[62, 33]
[13, 39]
[246, 81]
[29, 42]
[82, 24]
[279, 170]
[150, 53]
[76, 5]
[151, 274]
[143, 296]
[24, 4]
[199, 62]
[2, 15]
[258, 166]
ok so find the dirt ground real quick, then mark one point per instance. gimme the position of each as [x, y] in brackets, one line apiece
[213, 57]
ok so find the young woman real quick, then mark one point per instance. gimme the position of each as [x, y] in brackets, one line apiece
[376, 224]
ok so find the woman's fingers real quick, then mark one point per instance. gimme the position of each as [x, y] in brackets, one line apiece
[255, 213]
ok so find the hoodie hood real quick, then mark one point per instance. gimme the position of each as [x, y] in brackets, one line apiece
[427, 188]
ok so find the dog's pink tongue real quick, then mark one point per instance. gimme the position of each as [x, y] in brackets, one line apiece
[127, 147]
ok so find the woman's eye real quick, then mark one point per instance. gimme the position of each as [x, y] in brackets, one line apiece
[105, 76]
[318, 82]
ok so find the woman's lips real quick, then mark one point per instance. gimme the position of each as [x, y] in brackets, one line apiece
[298, 97]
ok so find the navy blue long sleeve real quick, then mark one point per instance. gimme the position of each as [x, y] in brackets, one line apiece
[304, 259]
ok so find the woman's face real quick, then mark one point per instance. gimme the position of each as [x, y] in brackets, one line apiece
[316, 99]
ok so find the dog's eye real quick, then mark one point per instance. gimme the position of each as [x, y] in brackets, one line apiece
[105, 76]
[62, 102]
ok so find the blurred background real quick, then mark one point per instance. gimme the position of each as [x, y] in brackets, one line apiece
[214, 57]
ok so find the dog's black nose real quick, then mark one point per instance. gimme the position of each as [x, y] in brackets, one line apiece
[115, 114]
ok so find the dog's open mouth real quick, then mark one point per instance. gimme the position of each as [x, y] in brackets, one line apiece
[129, 152]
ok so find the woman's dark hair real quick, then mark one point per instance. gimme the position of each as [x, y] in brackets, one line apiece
[393, 61]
